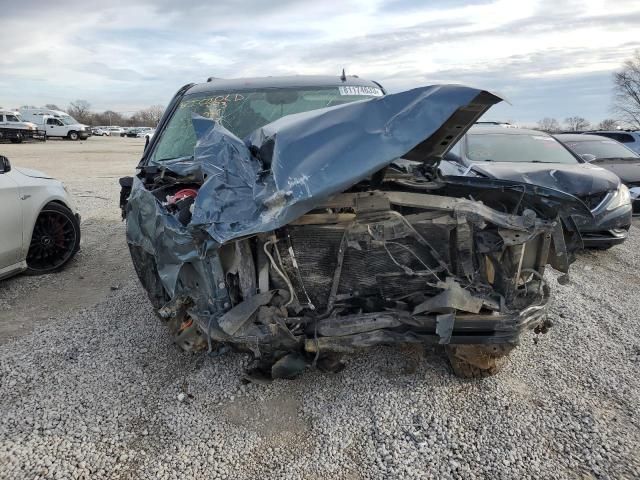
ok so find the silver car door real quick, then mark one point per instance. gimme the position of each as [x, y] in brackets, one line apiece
[10, 221]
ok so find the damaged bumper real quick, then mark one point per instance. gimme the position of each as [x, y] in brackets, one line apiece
[301, 242]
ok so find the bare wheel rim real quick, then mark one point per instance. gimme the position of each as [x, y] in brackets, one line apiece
[52, 242]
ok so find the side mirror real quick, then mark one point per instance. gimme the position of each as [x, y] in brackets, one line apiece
[587, 157]
[5, 165]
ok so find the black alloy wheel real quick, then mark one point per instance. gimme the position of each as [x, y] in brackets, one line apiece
[55, 239]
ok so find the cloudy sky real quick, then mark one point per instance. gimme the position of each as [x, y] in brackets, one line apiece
[548, 58]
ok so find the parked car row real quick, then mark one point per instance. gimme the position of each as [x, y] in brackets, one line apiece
[132, 132]
[530, 156]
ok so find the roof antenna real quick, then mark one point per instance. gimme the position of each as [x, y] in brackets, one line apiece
[343, 77]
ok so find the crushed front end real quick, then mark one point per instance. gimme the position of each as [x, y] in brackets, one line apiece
[245, 247]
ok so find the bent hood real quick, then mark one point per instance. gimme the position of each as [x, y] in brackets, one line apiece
[286, 168]
[580, 179]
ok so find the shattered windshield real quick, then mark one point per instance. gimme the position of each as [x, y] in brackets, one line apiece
[501, 147]
[244, 111]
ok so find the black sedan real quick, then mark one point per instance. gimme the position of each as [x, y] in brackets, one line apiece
[537, 158]
[610, 155]
[131, 133]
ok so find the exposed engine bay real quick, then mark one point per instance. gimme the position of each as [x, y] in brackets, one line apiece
[398, 257]
[366, 268]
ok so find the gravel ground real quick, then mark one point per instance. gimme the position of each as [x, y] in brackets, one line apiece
[101, 392]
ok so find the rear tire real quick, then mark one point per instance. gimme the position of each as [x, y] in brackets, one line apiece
[477, 361]
[73, 135]
[16, 140]
[55, 240]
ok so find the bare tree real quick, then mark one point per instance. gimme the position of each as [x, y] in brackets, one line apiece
[627, 91]
[80, 110]
[549, 125]
[608, 124]
[52, 106]
[148, 117]
[108, 117]
[155, 114]
[576, 124]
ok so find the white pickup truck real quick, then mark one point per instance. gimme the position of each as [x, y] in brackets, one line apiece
[56, 123]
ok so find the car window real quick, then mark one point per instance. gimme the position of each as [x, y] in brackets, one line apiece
[619, 137]
[244, 111]
[11, 118]
[501, 147]
[602, 149]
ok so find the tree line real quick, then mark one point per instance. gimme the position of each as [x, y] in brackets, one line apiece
[575, 124]
[81, 111]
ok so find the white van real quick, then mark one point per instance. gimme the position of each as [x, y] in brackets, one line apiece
[56, 123]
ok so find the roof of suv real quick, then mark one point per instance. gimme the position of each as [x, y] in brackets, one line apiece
[226, 84]
[611, 131]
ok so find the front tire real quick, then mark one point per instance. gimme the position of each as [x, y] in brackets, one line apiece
[73, 136]
[477, 361]
[54, 241]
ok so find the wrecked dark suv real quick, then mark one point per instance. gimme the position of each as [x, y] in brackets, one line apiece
[302, 218]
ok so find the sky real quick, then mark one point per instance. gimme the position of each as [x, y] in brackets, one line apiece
[547, 58]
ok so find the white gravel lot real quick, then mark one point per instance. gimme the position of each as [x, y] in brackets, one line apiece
[101, 392]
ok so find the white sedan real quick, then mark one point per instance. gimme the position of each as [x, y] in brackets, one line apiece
[39, 225]
[146, 133]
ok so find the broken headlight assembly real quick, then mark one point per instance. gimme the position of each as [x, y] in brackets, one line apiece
[620, 198]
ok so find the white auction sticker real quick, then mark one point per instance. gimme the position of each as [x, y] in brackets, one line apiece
[360, 90]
